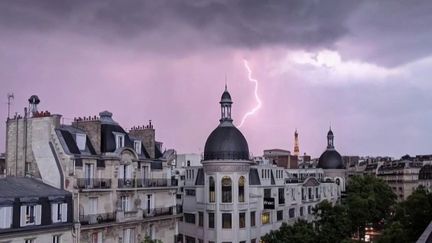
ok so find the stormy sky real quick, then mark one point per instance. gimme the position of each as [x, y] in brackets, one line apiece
[362, 66]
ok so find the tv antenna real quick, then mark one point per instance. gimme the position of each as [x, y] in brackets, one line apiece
[10, 97]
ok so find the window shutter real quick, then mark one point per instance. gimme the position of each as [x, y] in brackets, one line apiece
[54, 210]
[64, 212]
[23, 216]
[38, 214]
[3, 217]
[9, 217]
[121, 171]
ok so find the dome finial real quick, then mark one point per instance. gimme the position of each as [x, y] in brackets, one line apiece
[226, 86]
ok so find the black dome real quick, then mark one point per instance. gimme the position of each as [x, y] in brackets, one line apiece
[227, 143]
[330, 159]
[226, 97]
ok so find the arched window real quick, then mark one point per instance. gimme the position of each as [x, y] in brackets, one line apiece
[241, 189]
[212, 194]
[226, 189]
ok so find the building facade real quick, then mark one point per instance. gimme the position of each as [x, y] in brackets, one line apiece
[231, 198]
[33, 212]
[120, 180]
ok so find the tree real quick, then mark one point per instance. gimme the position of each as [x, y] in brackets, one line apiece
[394, 233]
[332, 223]
[369, 201]
[300, 232]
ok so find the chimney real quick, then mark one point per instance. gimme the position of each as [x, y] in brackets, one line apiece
[147, 136]
[93, 129]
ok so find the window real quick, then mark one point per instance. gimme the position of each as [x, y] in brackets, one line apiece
[81, 141]
[226, 221]
[242, 220]
[310, 193]
[309, 209]
[93, 205]
[226, 190]
[190, 192]
[200, 219]
[189, 218]
[29, 240]
[5, 217]
[253, 241]
[267, 193]
[291, 213]
[129, 235]
[126, 203]
[119, 140]
[301, 211]
[212, 195]
[252, 218]
[281, 195]
[96, 237]
[241, 189]
[56, 239]
[316, 193]
[31, 215]
[211, 220]
[265, 218]
[279, 215]
[189, 239]
[59, 212]
[137, 146]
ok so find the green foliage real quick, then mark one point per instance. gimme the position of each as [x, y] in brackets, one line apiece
[147, 239]
[369, 200]
[411, 218]
[332, 223]
[300, 232]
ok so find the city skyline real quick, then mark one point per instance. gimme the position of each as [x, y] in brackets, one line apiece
[338, 63]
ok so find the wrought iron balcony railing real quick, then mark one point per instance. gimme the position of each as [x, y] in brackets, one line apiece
[155, 212]
[93, 183]
[97, 218]
[131, 183]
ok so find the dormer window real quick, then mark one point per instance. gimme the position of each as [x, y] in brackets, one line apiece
[31, 215]
[119, 140]
[81, 141]
[137, 146]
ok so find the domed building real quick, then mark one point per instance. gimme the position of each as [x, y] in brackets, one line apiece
[332, 163]
[232, 199]
[330, 159]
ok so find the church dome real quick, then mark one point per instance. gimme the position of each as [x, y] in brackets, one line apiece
[330, 159]
[226, 142]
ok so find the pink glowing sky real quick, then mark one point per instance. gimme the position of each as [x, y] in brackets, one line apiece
[362, 67]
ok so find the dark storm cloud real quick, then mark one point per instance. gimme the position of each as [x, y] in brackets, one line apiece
[244, 23]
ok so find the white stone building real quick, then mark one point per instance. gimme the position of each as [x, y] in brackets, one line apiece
[231, 198]
[120, 181]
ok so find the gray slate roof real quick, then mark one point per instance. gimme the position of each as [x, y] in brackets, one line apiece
[13, 187]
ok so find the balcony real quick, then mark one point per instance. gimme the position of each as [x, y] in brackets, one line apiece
[97, 218]
[157, 212]
[92, 183]
[146, 183]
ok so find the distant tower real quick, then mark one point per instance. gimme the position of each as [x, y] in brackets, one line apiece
[296, 144]
[33, 102]
[10, 97]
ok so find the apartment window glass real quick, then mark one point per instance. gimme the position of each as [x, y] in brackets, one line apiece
[189, 239]
[242, 220]
[200, 219]
[252, 218]
[190, 192]
[301, 212]
[129, 235]
[56, 239]
[211, 220]
[291, 213]
[137, 146]
[29, 241]
[212, 196]
[310, 193]
[279, 215]
[281, 195]
[59, 212]
[125, 203]
[81, 141]
[265, 218]
[189, 218]
[253, 241]
[119, 140]
[5, 217]
[226, 189]
[267, 193]
[96, 237]
[241, 189]
[226, 221]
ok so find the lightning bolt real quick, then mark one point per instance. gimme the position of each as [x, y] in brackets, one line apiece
[258, 100]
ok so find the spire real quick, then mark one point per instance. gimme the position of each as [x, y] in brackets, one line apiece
[226, 103]
[330, 139]
[296, 144]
